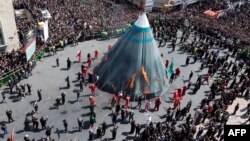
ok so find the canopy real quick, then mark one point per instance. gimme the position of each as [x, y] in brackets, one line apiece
[134, 63]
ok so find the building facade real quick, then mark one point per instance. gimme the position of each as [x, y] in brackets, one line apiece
[8, 30]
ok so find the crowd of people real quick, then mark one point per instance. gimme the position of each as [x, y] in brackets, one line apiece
[10, 61]
[231, 24]
[232, 81]
[70, 21]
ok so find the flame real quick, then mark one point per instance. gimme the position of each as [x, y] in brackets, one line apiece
[144, 75]
[146, 90]
[132, 82]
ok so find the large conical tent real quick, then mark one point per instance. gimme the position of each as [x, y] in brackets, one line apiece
[134, 63]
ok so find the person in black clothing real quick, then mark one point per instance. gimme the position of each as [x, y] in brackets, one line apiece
[99, 132]
[171, 78]
[39, 94]
[26, 124]
[91, 135]
[114, 132]
[10, 86]
[117, 108]
[9, 115]
[104, 127]
[122, 114]
[139, 102]
[80, 123]
[81, 85]
[187, 61]
[63, 97]
[68, 63]
[68, 82]
[190, 76]
[79, 76]
[57, 62]
[65, 124]
[199, 133]
[77, 95]
[236, 108]
[133, 126]
[48, 131]
[114, 118]
[195, 58]
[57, 102]
[29, 88]
[137, 129]
[43, 122]
[4, 128]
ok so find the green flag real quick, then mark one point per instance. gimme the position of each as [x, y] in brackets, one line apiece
[171, 68]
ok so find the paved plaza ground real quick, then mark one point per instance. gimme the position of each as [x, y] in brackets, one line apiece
[51, 80]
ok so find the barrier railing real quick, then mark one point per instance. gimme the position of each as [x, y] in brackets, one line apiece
[5, 79]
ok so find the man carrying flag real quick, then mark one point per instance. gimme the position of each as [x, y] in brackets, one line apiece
[79, 55]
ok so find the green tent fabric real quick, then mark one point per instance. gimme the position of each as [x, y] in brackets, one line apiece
[171, 68]
[134, 63]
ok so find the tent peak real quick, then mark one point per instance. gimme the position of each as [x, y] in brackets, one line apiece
[142, 21]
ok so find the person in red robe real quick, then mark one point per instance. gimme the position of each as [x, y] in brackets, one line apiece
[157, 103]
[92, 100]
[206, 79]
[177, 72]
[89, 61]
[210, 108]
[175, 94]
[180, 93]
[177, 103]
[184, 89]
[84, 72]
[127, 101]
[79, 55]
[166, 64]
[93, 88]
[96, 54]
